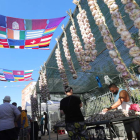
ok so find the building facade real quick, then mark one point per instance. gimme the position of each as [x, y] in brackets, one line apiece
[26, 93]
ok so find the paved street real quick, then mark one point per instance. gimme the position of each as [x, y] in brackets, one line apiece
[54, 137]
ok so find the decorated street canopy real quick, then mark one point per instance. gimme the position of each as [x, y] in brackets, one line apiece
[15, 75]
[27, 33]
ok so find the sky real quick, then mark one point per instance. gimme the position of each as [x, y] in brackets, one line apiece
[16, 59]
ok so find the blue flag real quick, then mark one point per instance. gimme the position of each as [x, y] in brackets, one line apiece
[2, 21]
[16, 42]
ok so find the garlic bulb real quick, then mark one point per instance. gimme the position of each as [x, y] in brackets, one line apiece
[133, 84]
[129, 43]
[116, 61]
[139, 69]
[136, 60]
[125, 75]
[135, 51]
[113, 54]
[120, 68]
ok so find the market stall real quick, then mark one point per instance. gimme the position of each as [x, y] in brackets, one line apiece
[99, 43]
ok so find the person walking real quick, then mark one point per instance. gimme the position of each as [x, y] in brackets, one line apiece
[46, 124]
[29, 127]
[14, 103]
[16, 125]
[42, 125]
[123, 101]
[19, 122]
[75, 125]
[24, 125]
[8, 112]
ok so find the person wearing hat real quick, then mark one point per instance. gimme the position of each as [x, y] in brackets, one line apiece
[7, 116]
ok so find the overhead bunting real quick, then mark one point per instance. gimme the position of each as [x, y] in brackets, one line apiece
[19, 33]
[15, 75]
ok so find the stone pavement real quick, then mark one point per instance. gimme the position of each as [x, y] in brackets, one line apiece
[54, 137]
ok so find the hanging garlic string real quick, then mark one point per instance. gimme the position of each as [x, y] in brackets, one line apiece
[123, 31]
[78, 49]
[135, 83]
[34, 107]
[133, 9]
[78, 4]
[127, 87]
[108, 40]
[45, 89]
[43, 86]
[61, 65]
[67, 54]
[87, 35]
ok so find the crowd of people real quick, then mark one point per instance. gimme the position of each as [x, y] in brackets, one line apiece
[15, 123]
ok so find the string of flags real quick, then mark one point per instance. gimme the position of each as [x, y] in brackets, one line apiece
[19, 33]
[15, 75]
[13, 86]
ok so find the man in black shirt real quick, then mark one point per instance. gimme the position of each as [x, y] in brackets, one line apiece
[70, 106]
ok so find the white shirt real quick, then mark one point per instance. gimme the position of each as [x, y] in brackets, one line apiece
[8, 113]
[125, 105]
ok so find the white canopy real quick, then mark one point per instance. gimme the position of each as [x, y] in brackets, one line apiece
[52, 107]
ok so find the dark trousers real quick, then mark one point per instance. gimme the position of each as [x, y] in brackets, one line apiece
[42, 129]
[9, 134]
[46, 127]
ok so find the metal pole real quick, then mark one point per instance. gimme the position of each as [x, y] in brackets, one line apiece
[47, 110]
[33, 129]
[40, 107]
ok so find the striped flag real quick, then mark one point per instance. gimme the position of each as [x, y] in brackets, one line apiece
[2, 77]
[3, 42]
[3, 33]
[45, 40]
[3, 46]
[15, 34]
[28, 72]
[7, 71]
[18, 77]
[16, 47]
[34, 34]
[49, 31]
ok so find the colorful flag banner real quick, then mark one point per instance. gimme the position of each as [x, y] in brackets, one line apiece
[19, 33]
[35, 24]
[15, 75]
